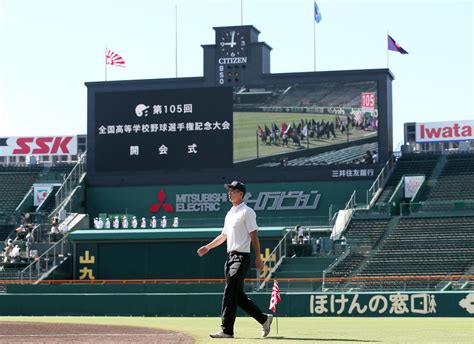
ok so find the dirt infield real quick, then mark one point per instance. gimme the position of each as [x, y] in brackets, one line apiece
[31, 332]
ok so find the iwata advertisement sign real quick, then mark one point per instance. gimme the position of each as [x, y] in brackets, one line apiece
[445, 131]
[38, 145]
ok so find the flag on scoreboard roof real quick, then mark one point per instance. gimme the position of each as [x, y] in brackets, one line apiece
[393, 45]
[275, 299]
[114, 59]
[317, 13]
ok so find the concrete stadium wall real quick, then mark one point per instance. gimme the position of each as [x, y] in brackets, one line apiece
[99, 301]
[155, 254]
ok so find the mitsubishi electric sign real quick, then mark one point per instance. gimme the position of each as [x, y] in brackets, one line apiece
[445, 131]
[289, 200]
[265, 200]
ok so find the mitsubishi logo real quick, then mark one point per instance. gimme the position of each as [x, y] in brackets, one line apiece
[168, 208]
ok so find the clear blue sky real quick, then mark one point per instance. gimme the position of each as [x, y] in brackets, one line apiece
[49, 48]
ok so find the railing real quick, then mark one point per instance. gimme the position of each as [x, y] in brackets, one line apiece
[263, 221]
[51, 258]
[341, 227]
[273, 261]
[28, 194]
[378, 283]
[332, 219]
[331, 267]
[458, 207]
[35, 218]
[373, 191]
[41, 233]
[351, 203]
[382, 208]
[70, 183]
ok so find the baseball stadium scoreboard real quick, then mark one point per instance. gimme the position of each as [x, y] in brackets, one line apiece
[239, 121]
[163, 130]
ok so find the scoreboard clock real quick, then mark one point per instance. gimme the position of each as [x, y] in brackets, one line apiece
[233, 43]
[236, 57]
[232, 50]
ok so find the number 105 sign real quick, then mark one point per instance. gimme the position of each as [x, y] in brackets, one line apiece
[368, 101]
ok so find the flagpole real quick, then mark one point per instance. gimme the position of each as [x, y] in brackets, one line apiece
[276, 316]
[105, 60]
[176, 37]
[386, 47]
[241, 12]
[314, 43]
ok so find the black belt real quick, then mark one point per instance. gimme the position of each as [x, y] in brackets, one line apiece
[237, 252]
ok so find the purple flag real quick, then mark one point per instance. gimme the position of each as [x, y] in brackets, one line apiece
[393, 45]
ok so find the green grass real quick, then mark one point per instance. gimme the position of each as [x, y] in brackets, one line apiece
[301, 330]
[245, 128]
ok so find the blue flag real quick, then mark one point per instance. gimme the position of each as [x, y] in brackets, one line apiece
[317, 13]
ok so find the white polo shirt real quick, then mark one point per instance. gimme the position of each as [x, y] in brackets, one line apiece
[239, 222]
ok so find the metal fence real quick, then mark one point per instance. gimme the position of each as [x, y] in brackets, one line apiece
[70, 184]
[460, 207]
[273, 261]
[51, 258]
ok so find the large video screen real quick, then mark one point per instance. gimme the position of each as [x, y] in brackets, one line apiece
[315, 128]
[163, 130]
[306, 124]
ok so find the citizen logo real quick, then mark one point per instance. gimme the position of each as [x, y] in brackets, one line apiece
[232, 60]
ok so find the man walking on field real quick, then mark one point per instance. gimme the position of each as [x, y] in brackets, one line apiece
[240, 229]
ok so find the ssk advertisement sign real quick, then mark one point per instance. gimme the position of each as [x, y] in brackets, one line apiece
[36, 145]
[162, 130]
[445, 131]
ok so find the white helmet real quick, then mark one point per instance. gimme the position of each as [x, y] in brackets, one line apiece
[140, 108]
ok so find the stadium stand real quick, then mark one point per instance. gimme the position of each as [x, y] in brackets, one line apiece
[435, 242]
[351, 154]
[366, 232]
[15, 182]
[408, 164]
[362, 235]
[423, 246]
[336, 94]
[5, 231]
[303, 267]
[456, 181]
[13, 187]
[346, 266]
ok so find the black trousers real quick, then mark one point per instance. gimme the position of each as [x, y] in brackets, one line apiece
[236, 267]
